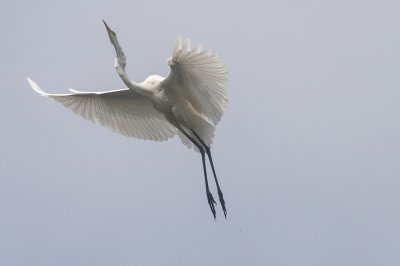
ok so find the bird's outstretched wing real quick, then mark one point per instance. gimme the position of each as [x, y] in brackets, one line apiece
[122, 111]
[202, 78]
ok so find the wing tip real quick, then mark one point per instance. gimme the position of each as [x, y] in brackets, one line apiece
[36, 87]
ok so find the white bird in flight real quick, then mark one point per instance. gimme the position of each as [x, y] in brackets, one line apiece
[189, 102]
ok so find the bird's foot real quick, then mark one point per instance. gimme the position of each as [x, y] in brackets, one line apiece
[211, 203]
[221, 199]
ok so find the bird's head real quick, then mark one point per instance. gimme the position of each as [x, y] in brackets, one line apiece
[111, 33]
[120, 60]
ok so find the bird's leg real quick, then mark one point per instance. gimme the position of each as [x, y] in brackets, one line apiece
[210, 198]
[208, 151]
[220, 195]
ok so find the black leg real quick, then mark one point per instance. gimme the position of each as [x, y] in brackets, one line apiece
[220, 195]
[210, 197]
[208, 151]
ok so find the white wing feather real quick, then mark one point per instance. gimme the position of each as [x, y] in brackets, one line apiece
[202, 76]
[122, 111]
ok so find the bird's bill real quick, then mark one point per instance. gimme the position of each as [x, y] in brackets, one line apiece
[111, 34]
[109, 30]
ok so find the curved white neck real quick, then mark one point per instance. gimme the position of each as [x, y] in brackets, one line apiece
[120, 63]
[136, 87]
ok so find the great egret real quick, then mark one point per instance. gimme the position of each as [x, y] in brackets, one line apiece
[189, 102]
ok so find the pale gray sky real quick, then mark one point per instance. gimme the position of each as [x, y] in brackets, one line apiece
[307, 153]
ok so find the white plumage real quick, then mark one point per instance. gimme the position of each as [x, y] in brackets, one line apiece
[123, 111]
[189, 102]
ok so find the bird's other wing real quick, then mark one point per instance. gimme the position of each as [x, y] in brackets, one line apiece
[202, 78]
[122, 111]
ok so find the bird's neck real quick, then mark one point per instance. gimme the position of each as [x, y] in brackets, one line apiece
[141, 89]
[138, 88]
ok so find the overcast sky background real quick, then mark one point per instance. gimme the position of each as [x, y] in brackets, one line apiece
[307, 153]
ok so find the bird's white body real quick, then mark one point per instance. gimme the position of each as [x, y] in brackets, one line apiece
[189, 102]
[182, 99]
